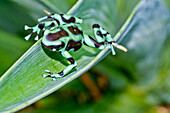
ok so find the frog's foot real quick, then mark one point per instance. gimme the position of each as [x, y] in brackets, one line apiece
[35, 29]
[52, 75]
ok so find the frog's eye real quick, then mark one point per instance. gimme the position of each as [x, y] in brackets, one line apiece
[58, 46]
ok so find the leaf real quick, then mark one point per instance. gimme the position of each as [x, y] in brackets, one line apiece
[22, 84]
[16, 48]
[145, 42]
[27, 12]
[58, 5]
[143, 72]
[37, 7]
[13, 21]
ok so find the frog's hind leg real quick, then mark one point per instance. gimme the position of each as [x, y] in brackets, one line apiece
[41, 26]
[102, 37]
[99, 34]
[89, 41]
[65, 70]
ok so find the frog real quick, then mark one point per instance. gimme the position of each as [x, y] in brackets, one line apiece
[63, 33]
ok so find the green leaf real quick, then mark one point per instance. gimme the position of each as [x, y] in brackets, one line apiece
[9, 54]
[145, 43]
[35, 8]
[22, 84]
[19, 12]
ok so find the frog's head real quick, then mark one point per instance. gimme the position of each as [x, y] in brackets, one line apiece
[62, 18]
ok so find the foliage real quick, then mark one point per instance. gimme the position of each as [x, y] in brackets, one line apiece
[138, 84]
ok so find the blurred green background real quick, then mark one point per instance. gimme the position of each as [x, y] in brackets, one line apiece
[136, 82]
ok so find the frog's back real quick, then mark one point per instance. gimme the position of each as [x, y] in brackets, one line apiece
[70, 35]
[75, 39]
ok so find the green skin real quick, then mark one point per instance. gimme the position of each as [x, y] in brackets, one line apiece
[63, 34]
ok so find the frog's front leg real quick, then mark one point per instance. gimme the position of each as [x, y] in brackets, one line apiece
[65, 70]
[41, 26]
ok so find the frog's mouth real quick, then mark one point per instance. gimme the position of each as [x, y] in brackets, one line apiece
[52, 47]
[49, 47]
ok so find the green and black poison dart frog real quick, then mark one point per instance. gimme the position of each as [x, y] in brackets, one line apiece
[62, 33]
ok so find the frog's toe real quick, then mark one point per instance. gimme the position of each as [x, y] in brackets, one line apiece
[54, 79]
[47, 71]
[56, 75]
[36, 38]
[44, 75]
[27, 27]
